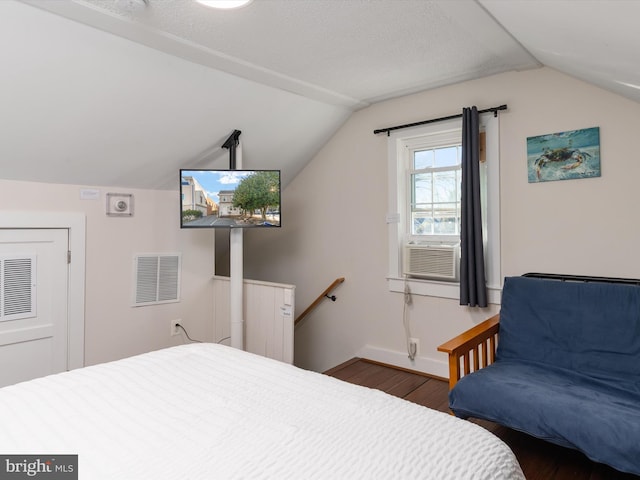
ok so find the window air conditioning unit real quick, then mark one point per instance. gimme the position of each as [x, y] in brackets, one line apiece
[434, 261]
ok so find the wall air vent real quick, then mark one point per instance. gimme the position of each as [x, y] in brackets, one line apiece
[17, 287]
[434, 261]
[157, 279]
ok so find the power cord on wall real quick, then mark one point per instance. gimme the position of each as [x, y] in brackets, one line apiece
[411, 347]
[187, 334]
[197, 341]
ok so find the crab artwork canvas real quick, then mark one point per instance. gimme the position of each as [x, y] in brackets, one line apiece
[564, 156]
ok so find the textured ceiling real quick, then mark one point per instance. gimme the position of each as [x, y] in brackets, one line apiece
[594, 40]
[346, 52]
[110, 94]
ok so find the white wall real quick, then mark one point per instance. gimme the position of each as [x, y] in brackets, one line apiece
[334, 216]
[113, 328]
[105, 110]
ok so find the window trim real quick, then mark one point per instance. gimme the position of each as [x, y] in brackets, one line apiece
[397, 150]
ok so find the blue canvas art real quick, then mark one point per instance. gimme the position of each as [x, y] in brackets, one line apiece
[564, 155]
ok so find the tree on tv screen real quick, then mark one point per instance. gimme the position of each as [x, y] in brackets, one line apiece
[259, 191]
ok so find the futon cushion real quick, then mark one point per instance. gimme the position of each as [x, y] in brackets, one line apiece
[600, 418]
[591, 328]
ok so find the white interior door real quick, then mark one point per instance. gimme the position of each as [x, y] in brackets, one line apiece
[33, 303]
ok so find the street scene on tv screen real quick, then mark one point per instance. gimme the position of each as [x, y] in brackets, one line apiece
[229, 198]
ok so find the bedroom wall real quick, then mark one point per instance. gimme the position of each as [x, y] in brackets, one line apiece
[334, 216]
[113, 328]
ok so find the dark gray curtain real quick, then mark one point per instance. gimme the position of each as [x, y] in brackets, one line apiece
[473, 286]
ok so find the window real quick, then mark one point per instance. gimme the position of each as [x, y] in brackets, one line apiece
[424, 201]
[433, 180]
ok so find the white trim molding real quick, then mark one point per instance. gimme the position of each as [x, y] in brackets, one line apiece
[400, 359]
[433, 288]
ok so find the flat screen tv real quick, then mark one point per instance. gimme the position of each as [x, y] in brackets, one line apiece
[229, 198]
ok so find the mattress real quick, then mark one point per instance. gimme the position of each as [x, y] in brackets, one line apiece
[207, 411]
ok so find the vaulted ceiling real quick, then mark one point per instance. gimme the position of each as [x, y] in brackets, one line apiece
[126, 92]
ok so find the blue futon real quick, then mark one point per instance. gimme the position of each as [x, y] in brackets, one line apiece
[566, 369]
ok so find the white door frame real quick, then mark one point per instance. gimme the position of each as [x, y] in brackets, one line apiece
[76, 224]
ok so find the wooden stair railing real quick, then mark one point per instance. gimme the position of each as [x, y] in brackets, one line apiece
[321, 297]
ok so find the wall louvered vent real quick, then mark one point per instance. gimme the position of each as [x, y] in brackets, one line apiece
[157, 279]
[17, 287]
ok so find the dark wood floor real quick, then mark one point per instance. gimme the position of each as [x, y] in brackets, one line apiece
[539, 460]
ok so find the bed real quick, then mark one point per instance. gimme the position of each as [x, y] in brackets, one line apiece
[207, 411]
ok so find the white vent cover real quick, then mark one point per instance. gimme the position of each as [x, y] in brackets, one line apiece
[17, 287]
[439, 262]
[157, 279]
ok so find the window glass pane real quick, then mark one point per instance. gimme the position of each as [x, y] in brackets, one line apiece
[422, 221]
[445, 186]
[435, 192]
[445, 219]
[421, 188]
[422, 159]
[447, 157]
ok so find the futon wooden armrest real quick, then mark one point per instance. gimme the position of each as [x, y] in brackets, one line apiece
[476, 347]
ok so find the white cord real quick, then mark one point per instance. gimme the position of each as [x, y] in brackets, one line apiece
[411, 349]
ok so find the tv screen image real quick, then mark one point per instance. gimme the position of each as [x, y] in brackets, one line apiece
[229, 198]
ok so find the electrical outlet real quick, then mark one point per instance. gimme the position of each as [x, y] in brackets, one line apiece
[175, 329]
[414, 345]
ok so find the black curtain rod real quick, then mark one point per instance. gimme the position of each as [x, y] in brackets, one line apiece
[442, 119]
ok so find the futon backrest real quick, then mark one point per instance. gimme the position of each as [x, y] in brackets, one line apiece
[590, 328]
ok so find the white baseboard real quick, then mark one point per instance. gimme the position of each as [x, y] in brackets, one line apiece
[438, 368]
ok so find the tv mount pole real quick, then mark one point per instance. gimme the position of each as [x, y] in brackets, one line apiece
[232, 143]
[236, 272]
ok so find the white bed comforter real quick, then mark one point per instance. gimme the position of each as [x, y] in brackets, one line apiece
[208, 411]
